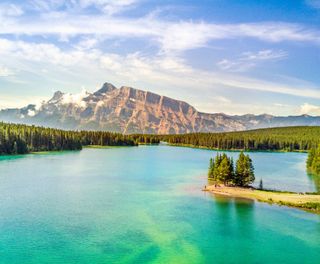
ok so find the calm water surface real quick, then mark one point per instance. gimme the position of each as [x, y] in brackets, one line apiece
[145, 205]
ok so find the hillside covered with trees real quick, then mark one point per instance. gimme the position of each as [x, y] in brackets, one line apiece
[285, 139]
[22, 139]
[222, 170]
[313, 161]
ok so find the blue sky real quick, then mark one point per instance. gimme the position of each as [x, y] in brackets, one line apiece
[226, 56]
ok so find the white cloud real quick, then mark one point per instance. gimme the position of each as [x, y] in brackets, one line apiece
[249, 60]
[10, 10]
[87, 43]
[84, 24]
[16, 101]
[5, 72]
[31, 112]
[309, 109]
[167, 70]
[235, 66]
[223, 99]
[264, 55]
[281, 105]
[46, 5]
[170, 36]
[76, 99]
[109, 7]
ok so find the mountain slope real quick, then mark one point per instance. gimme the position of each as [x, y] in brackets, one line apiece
[130, 110]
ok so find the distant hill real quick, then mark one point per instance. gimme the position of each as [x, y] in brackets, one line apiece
[129, 110]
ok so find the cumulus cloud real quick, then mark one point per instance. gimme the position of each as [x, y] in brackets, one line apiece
[309, 109]
[76, 99]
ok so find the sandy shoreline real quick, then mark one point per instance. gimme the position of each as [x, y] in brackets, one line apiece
[310, 202]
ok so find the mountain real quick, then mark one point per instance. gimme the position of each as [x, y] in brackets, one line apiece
[130, 110]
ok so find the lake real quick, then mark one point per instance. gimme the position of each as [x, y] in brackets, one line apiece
[145, 205]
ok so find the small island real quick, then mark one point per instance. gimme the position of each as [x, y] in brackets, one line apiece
[228, 179]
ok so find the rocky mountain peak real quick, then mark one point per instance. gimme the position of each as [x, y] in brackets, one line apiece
[129, 110]
[106, 88]
[56, 96]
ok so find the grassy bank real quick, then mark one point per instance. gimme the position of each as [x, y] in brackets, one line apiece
[309, 202]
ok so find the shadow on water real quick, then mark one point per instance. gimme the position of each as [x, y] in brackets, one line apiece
[237, 214]
[244, 212]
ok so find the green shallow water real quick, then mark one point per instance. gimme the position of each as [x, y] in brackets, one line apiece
[145, 205]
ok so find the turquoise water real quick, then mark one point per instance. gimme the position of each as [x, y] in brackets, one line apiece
[145, 205]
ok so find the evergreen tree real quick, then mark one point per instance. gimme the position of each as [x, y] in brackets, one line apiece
[244, 173]
[221, 169]
[261, 184]
[225, 172]
[216, 167]
[211, 168]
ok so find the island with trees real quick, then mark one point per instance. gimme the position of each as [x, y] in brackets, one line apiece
[222, 170]
[229, 179]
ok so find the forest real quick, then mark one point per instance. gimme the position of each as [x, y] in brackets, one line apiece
[22, 139]
[273, 139]
[313, 161]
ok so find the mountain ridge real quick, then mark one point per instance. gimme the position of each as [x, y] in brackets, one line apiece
[129, 110]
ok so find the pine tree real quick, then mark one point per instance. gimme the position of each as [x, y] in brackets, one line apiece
[244, 173]
[249, 171]
[211, 169]
[261, 185]
[221, 169]
[216, 167]
[223, 173]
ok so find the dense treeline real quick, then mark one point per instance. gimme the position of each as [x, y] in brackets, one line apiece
[285, 138]
[21, 139]
[222, 170]
[313, 161]
[145, 138]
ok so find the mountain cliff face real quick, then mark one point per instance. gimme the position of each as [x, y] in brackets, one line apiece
[130, 110]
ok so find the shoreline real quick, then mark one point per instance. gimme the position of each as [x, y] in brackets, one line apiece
[307, 202]
[236, 150]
